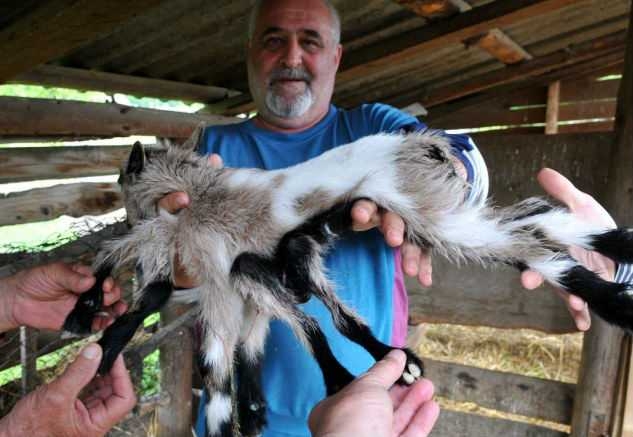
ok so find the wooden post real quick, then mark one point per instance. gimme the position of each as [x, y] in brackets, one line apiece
[595, 397]
[627, 416]
[553, 103]
[173, 418]
[28, 359]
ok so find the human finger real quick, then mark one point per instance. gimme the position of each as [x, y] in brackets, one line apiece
[174, 202]
[531, 279]
[577, 308]
[410, 254]
[559, 187]
[364, 215]
[215, 160]
[68, 277]
[392, 227]
[425, 269]
[386, 371]
[423, 421]
[112, 292]
[80, 372]
[420, 392]
[123, 397]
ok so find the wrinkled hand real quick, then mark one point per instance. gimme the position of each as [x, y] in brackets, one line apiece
[415, 261]
[373, 406]
[76, 404]
[173, 203]
[42, 297]
[586, 208]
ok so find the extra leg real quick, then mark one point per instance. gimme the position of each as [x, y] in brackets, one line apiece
[117, 335]
[79, 321]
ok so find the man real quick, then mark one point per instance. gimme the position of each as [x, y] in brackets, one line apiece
[41, 298]
[293, 54]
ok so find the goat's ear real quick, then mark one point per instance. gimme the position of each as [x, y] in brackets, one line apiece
[136, 161]
[193, 142]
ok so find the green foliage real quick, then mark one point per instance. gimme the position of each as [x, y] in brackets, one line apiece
[41, 92]
[150, 384]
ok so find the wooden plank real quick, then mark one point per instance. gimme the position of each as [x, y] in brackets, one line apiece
[81, 250]
[583, 68]
[75, 200]
[587, 110]
[20, 116]
[398, 49]
[32, 163]
[497, 111]
[606, 126]
[502, 391]
[553, 104]
[627, 414]
[455, 423]
[539, 66]
[502, 47]
[56, 27]
[53, 75]
[176, 362]
[595, 397]
[474, 296]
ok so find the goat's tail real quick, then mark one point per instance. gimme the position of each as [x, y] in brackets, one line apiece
[535, 235]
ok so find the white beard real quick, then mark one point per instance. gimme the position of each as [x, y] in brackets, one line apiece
[289, 108]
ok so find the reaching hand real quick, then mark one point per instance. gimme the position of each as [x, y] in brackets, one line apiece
[586, 208]
[373, 406]
[173, 203]
[76, 404]
[415, 261]
[43, 296]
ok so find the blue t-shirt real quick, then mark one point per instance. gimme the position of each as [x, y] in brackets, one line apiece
[362, 266]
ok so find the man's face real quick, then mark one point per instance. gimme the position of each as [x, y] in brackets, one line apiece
[292, 62]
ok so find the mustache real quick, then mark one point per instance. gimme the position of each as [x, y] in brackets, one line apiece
[290, 74]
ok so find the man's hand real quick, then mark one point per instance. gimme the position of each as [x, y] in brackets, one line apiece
[173, 203]
[42, 297]
[415, 261]
[585, 208]
[373, 406]
[76, 404]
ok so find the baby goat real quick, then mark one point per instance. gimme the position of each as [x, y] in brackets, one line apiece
[254, 241]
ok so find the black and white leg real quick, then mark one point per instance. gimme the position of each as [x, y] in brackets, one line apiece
[79, 321]
[116, 336]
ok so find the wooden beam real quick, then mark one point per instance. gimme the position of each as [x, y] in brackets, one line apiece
[75, 200]
[400, 48]
[33, 163]
[55, 28]
[553, 104]
[611, 60]
[433, 9]
[594, 409]
[502, 47]
[31, 117]
[502, 391]
[613, 44]
[52, 75]
[457, 423]
[79, 250]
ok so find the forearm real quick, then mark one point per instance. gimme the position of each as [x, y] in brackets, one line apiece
[7, 295]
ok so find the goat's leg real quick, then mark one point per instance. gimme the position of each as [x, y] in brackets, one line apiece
[217, 364]
[256, 275]
[251, 405]
[79, 321]
[303, 272]
[117, 335]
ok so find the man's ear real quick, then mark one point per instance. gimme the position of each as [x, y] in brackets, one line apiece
[136, 161]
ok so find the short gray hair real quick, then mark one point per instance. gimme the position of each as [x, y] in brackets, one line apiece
[336, 19]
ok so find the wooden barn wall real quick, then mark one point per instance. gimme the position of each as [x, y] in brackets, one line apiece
[586, 105]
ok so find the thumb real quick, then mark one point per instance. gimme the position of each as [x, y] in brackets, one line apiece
[386, 371]
[81, 371]
[69, 277]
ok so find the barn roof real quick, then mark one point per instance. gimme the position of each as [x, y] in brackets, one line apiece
[401, 52]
